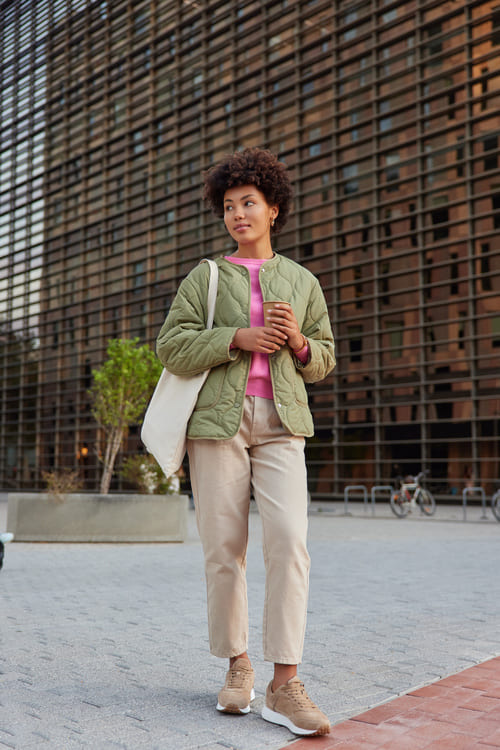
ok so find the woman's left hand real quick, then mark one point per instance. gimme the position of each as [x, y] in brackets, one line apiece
[283, 319]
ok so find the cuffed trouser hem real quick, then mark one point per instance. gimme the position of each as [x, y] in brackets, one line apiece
[287, 660]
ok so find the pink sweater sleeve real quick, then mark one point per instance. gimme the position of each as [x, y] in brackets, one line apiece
[303, 354]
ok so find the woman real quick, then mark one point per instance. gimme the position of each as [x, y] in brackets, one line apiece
[247, 431]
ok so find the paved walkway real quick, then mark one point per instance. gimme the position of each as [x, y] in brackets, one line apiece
[105, 646]
[461, 712]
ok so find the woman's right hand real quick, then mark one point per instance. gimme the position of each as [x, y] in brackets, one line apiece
[259, 339]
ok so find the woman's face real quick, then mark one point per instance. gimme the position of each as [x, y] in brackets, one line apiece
[247, 215]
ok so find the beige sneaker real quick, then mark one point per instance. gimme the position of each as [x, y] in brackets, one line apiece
[291, 707]
[235, 696]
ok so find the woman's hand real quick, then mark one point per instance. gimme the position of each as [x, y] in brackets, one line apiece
[283, 320]
[259, 339]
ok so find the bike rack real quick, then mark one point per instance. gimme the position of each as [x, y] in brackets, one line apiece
[352, 488]
[380, 488]
[470, 491]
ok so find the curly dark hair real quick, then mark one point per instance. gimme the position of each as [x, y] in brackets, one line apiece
[252, 166]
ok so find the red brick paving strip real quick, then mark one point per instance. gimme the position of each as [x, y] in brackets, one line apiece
[461, 712]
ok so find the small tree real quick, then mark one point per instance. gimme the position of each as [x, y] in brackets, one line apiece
[120, 391]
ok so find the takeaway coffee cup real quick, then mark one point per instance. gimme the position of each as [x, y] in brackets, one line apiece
[268, 306]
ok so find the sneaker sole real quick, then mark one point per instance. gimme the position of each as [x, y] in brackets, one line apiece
[284, 721]
[232, 708]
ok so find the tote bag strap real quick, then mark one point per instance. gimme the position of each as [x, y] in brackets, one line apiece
[212, 290]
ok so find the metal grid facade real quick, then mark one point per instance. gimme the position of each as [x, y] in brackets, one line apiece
[387, 114]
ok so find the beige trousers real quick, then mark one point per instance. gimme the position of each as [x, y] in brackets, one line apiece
[263, 457]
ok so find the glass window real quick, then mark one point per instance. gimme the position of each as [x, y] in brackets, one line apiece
[140, 22]
[490, 147]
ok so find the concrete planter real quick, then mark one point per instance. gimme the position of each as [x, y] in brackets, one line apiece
[35, 517]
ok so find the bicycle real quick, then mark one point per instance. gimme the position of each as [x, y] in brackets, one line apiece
[409, 495]
[495, 504]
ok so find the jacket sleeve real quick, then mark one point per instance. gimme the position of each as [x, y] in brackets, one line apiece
[184, 345]
[318, 331]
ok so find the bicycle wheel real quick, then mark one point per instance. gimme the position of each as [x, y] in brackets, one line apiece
[399, 505]
[426, 502]
[495, 505]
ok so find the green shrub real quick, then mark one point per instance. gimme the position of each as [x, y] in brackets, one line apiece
[143, 472]
[60, 483]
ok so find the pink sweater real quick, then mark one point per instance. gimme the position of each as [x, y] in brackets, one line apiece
[259, 379]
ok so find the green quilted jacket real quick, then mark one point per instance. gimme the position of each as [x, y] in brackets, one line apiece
[186, 347]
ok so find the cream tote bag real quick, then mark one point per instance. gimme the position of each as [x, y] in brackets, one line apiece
[165, 422]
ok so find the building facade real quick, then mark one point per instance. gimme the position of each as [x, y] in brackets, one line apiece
[387, 114]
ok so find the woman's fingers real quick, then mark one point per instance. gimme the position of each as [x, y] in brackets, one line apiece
[284, 319]
[272, 340]
[276, 333]
[260, 339]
